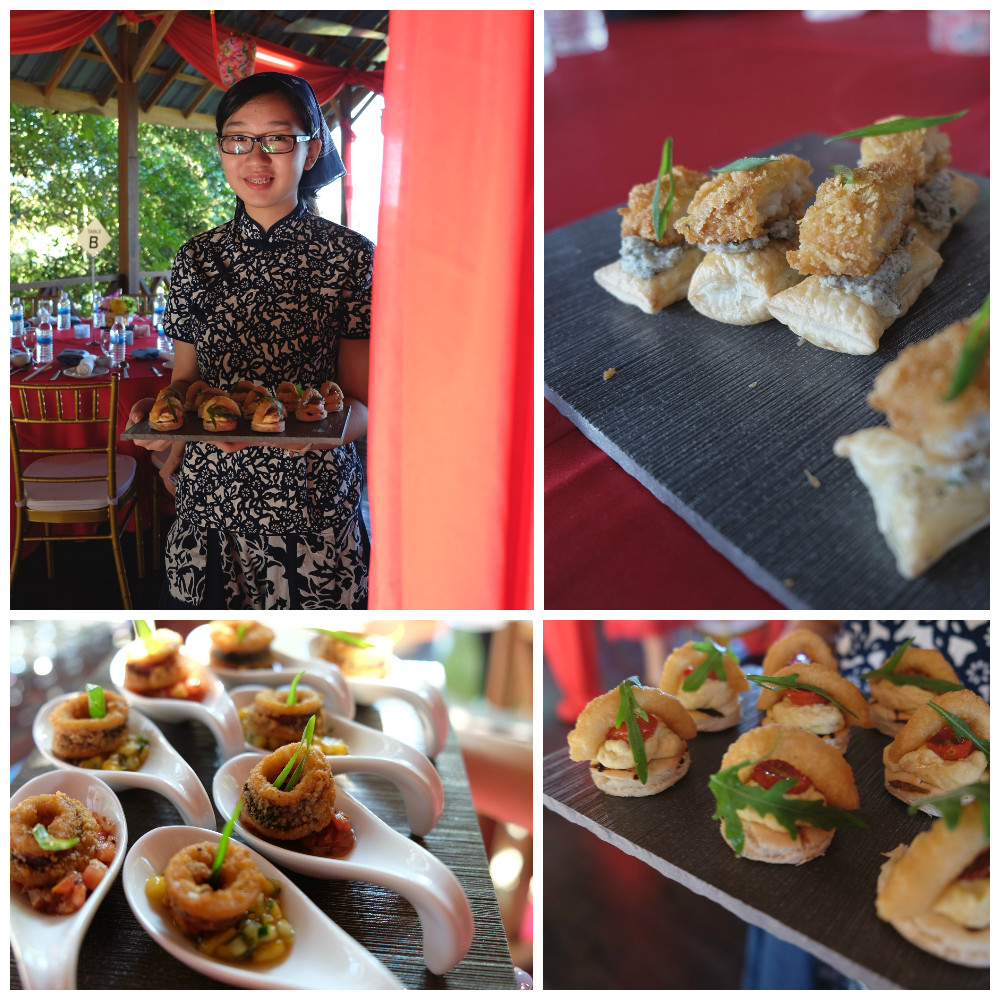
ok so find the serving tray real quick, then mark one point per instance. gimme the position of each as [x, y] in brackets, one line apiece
[732, 426]
[825, 906]
[328, 431]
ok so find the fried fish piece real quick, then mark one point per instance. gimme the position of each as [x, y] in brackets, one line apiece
[910, 391]
[851, 228]
[743, 205]
[921, 152]
[637, 216]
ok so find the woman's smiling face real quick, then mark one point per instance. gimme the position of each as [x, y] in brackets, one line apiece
[267, 183]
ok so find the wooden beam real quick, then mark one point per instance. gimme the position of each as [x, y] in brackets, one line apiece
[152, 47]
[161, 88]
[202, 94]
[61, 70]
[128, 159]
[108, 55]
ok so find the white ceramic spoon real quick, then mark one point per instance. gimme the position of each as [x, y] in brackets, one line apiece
[47, 947]
[332, 682]
[299, 650]
[380, 856]
[372, 752]
[322, 957]
[164, 771]
[215, 711]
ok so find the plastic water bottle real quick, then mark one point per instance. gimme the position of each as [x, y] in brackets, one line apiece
[16, 318]
[63, 312]
[44, 343]
[117, 342]
[164, 344]
[159, 308]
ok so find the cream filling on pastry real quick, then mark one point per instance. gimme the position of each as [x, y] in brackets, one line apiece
[750, 815]
[967, 902]
[924, 764]
[644, 259]
[662, 742]
[819, 719]
[713, 693]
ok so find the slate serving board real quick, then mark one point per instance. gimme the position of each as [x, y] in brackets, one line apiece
[328, 431]
[825, 906]
[721, 422]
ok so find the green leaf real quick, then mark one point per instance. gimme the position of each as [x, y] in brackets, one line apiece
[973, 352]
[348, 638]
[95, 701]
[961, 729]
[846, 174]
[666, 166]
[241, 631]
[712, 664]
[898, 125]
[628, 709]
[220, 851]
[307, 738]
[949, 804]
[887, 672]
[731, 795]
[143, 629]
[792, 681]
[745, 163]
[49, 843]
[292, 688]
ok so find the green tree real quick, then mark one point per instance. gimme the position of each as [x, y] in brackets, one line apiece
[64, 172]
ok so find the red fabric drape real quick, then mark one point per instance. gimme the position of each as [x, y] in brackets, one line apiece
[51, 30]
[451, 388]
[191, 37]
[570, 649]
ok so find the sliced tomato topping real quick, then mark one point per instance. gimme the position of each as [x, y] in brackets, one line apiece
[769, 772]
[948, 746]
[980, 868]
[646, 727]
[797, 697]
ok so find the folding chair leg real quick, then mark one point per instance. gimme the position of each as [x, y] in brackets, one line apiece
[18, 536]
[50, 566]
[140, 542]
[120, 564]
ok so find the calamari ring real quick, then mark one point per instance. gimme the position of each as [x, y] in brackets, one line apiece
[289, 395]
[823, 764]
[687, 656]
[163, 645]
[925, 722]
[307, 808]
[76, 736]
[357, 661]
[598, 716]
[240, 636]
[198, 908]
[928, 662]
[191, 395]
[822, 677]
[64, 818]
[279, 723]
[311, 406]
[252, 400]
[333, 396]
[790, 650]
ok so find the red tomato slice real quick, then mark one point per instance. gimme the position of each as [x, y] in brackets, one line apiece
[769, 772]
[797, 697]
[948, 746]
[646, 727]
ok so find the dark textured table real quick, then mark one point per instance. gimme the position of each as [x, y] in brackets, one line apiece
[826, 906]
[118, 954]
[722, 422]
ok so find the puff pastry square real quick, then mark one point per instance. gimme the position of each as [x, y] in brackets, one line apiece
[650, 294]
[922, 509]
[839, 321]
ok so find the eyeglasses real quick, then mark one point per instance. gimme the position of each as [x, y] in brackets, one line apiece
[240, 144]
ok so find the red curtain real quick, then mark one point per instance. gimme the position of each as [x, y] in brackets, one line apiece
[52, 30]
[451, 394]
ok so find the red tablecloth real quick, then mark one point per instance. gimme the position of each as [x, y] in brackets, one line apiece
[721, 84]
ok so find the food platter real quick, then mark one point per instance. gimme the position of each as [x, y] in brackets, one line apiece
[825, 906]
[327, 432]
[722, 423]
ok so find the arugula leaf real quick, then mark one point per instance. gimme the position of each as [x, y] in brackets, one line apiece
[949, 804]
[973, 352]
[731, 795]
[897, 125]
[745, 163]
[220, 851]
[292, 689]
[47, 842]
[887, 672]
[95, 701]
[792, 681]
[961, 729]
[846, 174]
[712, 664]
[347, 638]
[628, 709]
[666, 167]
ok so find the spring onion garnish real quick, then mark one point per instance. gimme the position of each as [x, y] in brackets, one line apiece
[887, 672]
[745, 163]
[291, 691]
[896, 125]
[792, 681]
[47, 842]
[220, 851]
[846, 174]
[628, 709]
[712, 664]
[95, 701]
[666, 167]
[304, 746]
[143, 630]
[961, 729]
[950, 803]
[973, 352]
[241, 631]
[348, 638]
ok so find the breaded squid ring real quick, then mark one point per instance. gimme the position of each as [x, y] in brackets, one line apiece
[252, 400]
[64, 818]
[268, 418]
[240, 636]
[288, 395]
[311, 406]
[925, 722]
[76, 736]
[307, 808]
[801, 646]
[823, 764]
[279, 723]
[167, 413]
[333, 396]
[357, 661]
[198, 908]
[191, 395]
[219, 413]
[673, 677]
[892, 704]
[913, 878]
[838, 687]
